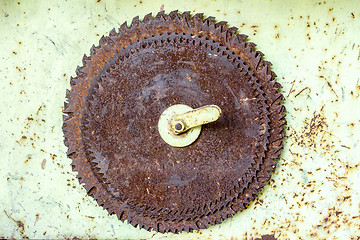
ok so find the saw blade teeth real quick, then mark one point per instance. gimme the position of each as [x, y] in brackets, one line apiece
[241, 37]
[70, 150]
[135, 22]
[265, 70]
[84, 184]
[199, 16]
[92, 50]
[113, 32]
[248, 49]
[186, 14]
[73, 81]
[258, 59]
[221, 24]
[92, 191]
[123, 27]
[106, 68]
[233, 30]
[85, 59]
[278, 99]
[269, 64]
[160, 15]
[65, 117]
[120, 214]
[91, 98]
[209, 21]
[69, 121]
[66, 105]
[80, 71]
[68, 108]
[102, 40]
[234, 40]
[174, 14]
[148, 17]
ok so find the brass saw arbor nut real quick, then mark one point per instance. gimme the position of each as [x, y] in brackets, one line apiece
[130, 79]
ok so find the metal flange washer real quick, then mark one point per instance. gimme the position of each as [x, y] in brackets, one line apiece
[180, 125]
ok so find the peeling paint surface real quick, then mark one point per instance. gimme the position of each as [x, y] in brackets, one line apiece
[315, 50]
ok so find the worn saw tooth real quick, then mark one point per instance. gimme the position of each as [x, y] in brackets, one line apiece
[71, 149]
[161, 15]
[85, 59]
[221, 25]
[73, 81]
[102, 165]
[174, 14]
[106, 40]
[108, 205]
[93, 50]
[80, 71]
[135, 22]
[199, 17]
[198, 20]
[233, 30]
[113, 32]
[65, 117]
[148, 17]
[278, 99]
[202, 223]
[120, 214]
[123, 27]
[184, 19]
[248, 48]
[99, 199]
[83, 181]
[70, 122]
[234, 40]
[265, 71]
[185, 14]
[210, 21]
[68, 108]
[106, 68]
[241, 37]
[264, 175]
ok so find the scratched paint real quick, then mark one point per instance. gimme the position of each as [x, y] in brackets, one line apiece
[315, 50]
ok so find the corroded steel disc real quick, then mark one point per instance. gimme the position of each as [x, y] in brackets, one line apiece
[115, 103]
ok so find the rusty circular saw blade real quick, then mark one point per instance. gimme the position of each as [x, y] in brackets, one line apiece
[118, 95]
[120, 135]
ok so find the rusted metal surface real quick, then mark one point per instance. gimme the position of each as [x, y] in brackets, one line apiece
[314, 48]
[121, 158]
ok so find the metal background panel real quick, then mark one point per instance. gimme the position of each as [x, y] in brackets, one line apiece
[315, 50]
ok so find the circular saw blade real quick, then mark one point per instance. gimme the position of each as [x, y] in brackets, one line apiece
[126, 83]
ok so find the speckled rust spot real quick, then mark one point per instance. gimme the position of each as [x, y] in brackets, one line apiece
[19, 224]
[267, 237]
[111, 119]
